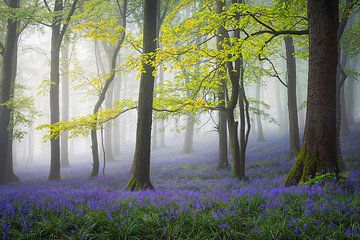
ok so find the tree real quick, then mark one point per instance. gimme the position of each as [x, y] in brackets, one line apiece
[260, 133]
[65, 105]
[140, 174]
[292, 98]
[319, 149]
[58, 30]
[7, 92]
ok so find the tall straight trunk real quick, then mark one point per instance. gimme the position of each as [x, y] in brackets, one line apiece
[279, 111]
[300, 99]
[7, 88]
[260, 133]
[222, 130]
[30, 157]
[54, 90]
[319, 149]
[222, 125]
[108, 128]
[344, 126]
[140, 176]
[116, 127]
[161, 121]
[349, 94]
[189, 134]
[294, 137]
[65, 105]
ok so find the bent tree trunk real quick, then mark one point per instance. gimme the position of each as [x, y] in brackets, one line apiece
[292, 98]
[319, 149]
[140, 174]
[10, 52]
[94, 140]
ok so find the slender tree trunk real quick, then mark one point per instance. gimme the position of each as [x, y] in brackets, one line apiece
[189, 134]
[108, 128]
[260, 133]
[161, 121]
[222, 130]
[9, 57]
[319, 149]
[292, 98]
[54, 90]
[30, 157]
[222, 125]
[116, 127]
[344, 126]
[65, 105]
[279, 111]
[140, 176]
[349, 94]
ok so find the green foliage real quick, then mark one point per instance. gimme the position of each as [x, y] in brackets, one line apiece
[23, 113]
[83, 124]
[322, 178]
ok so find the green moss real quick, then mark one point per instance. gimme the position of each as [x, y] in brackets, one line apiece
[135, 185]
[305, 166]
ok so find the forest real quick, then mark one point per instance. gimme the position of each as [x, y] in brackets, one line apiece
[180, 119]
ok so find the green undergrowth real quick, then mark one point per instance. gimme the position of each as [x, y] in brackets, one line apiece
[288, 216]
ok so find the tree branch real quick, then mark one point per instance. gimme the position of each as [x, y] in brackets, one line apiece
[67, 20]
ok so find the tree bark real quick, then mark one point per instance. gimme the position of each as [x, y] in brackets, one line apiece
[116, 127]
[7, 88]
[319, 149]
[65, 105]
[291, 95]
[161, 121]
[189, 134]
[140, 176]
[54, 89]
[260, 133]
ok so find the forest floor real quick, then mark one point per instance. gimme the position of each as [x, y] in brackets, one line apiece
[192, 200]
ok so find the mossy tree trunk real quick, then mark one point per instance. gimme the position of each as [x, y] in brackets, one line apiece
[319, 149]
[140, 174]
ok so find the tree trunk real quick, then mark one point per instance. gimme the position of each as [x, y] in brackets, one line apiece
[349, 94]
[116, 127]
[291, 95]
[223, 145]
[65, 105]
[54, 89]
[189, 134]
[319, 149]
[108, 126]
[161, 121]
[140, 176]
[279, 110]
[9, 57]
[260, 133]
[344, 126]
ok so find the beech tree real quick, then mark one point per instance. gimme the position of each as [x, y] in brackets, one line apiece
[58, 29]
[7, 92]
[319, 149]
[140, 174]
